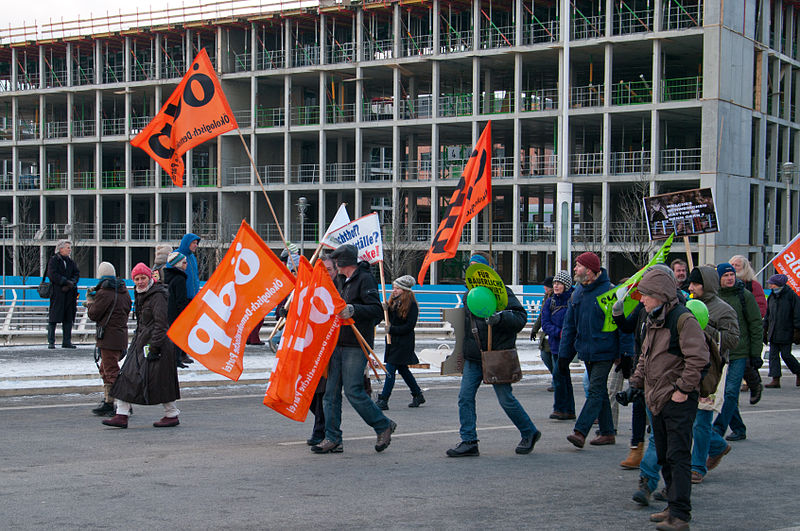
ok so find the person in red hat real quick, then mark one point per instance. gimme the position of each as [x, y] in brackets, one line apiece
[583, 334]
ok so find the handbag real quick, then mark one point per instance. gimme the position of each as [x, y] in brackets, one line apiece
[45, 289]
[499, 366]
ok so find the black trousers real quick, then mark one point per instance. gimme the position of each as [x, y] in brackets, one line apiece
[672, 431]
[751, 376]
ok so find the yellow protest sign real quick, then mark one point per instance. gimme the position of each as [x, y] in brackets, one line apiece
[483, 275]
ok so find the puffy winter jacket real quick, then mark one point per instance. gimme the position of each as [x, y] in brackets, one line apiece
[554, 310]
[749, 317]
[783, 316]
[110, 307]
[504, 333]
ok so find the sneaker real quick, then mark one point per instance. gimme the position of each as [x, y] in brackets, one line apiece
[713, 461]
[755, 394]
[697, 477]
[642, 496]
[385, 437]
[464, 449]
[660, 495]
[327, 447]
[417, 400]
[105, 409]
[166, 422]
[736, 437]
[526, 445]
[117, 421]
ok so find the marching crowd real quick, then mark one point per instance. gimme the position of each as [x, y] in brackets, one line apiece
[685, 350]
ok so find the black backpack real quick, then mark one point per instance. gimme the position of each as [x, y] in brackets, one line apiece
[712, 372]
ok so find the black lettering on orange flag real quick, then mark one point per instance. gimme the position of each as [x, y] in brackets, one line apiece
[473, 192]
[196, 111]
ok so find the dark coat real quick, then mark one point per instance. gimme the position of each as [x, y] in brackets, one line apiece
[361, 291]
[116, 311]
[783, 316]
[554, 310]
[64, 274]
[151, 380]
[178, 300]
[504, 333]
[751, 330]
[401, 349]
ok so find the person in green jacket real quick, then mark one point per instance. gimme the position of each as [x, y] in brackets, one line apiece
[740, 299]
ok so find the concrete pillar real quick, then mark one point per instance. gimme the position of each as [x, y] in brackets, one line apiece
[563, 212]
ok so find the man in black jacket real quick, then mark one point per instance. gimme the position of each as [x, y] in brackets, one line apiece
[346, 368]
[781, 328]
[505, 324]
[63, 274]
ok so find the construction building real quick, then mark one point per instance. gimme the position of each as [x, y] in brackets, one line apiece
[377, 104]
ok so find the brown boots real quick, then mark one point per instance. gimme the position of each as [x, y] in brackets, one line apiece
[774, 384]
[634, 457]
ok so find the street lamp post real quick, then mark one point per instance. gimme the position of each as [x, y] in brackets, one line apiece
[302, 208]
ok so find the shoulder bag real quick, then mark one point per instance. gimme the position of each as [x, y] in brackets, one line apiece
[499, 366]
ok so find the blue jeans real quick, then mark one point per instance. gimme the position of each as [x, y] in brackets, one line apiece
[346, 370]
[649, 467]
[706, 441]
[408, 378]
[551, 362]
[470, 381]
[729, 416]
[563, 399]
[597, 405]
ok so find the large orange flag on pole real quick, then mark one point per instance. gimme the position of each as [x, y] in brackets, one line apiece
[312, 329]
[249, 281]
[195, 112]
[787, 262]
[474, 191]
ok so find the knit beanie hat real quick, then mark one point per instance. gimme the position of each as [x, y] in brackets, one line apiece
[564, 278]
[547, 282]
[778, 280]
[590, 261]
[106, 270]
[162, 253]
[175, 258]
[725, 267]
[696, 276]
[479, 258]
[405, 282]
[141, 269]
[345, 255]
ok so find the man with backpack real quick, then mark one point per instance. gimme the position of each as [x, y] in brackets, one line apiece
[751, 331]
[669, 371]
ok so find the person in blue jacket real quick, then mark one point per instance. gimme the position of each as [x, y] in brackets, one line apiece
[187, 248]
[554, 310]
[582, 334]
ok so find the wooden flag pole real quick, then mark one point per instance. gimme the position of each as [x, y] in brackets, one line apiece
[688, 253]
[385, 302]
[366, 347]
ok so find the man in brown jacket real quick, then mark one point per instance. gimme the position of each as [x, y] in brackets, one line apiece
[669, 369]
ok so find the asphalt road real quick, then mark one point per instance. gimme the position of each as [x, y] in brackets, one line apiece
[235, 464]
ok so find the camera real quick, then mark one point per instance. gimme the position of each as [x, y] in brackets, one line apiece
[628, 395]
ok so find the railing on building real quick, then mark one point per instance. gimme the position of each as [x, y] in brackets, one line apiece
[539, 165]
[587, 96]
[537, 232]
[375, 172]
[242, 118]
[171, 68]
[142, 179]
[305, 115]
[173, 231]
[270, 59]
[56, 129]
[269, 232]
[455, 104]
[377, 50]
[451, 168]
[680, 160]
[411, 45]
[56, 231]
[631, 93]
[541, 31]
[83, 128]
[623, 162]
[84, 180]
[341, 52]
[142, 231]
[5, 83]
[584, 27]
[31, 231]
[28, 181]
[586, 163]
[625, 232]
[340, 172]
[113, 73]
[586, 231]
[270, 117]
[238, 175]
[305, 55]
[680, 15]
[416, 108]
[415, 170]
[682, 88]
[378, 108]
[142, 71]
[6, 181]
[627, 20]
[207, 231]
[112, 231]
[336, 113]
[113, 126]
[138, 123]
[82, 76]
[502, 167]
[419, 232]
[497, 102]
[27, 129]
[56, 181]
[273, 174]
[114, 179]
[304, 173]
[241, 62]
[453, 41]
[204, 177]
[501, 232]
[55, 78]
[27, 80]
[497, 37]
[539, 100]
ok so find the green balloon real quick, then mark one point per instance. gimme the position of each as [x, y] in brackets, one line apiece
[700, 311]
[481, 301]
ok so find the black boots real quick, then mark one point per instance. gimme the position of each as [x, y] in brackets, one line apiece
[464, 449]
[51, 335]
[417, 400]
[66, 341]
[105, 409]
[382, 403]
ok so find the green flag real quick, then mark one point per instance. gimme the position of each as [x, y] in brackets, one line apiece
[607, 299]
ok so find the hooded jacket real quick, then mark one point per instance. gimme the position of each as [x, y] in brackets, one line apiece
[783, 316]
[723, 324]
[582, 332]
[112, 302]
[192, 271]
[504, 334]
[749, 318]
[660, 371]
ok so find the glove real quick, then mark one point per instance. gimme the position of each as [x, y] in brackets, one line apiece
[348, 312]
[796, 339]
[628, 395]
[756, 362]
[765, 336]
[563, 366]
[619, 306]
[385, 306]
[494, 318]
[625, 366]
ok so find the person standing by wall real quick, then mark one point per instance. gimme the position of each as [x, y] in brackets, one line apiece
[64, 274]
[149, 375]
[109, 308]
[403, 314]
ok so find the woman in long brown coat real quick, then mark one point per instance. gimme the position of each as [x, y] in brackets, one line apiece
[108, 305]
[149, 375]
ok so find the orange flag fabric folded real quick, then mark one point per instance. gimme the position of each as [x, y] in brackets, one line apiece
[246, 285]
[195, 112]
[310, 335]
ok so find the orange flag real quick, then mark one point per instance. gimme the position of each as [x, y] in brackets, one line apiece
[246, 285]
[474, 191]
[787, 262]
[310, 335]
[195, 112]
